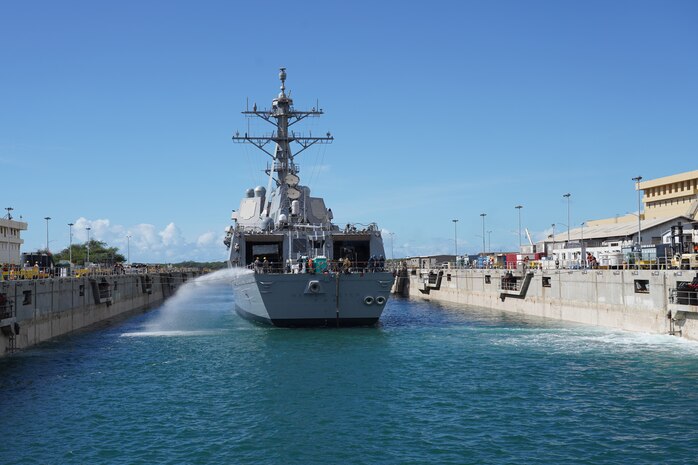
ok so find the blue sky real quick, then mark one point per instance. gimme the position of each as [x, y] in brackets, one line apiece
[119, 115]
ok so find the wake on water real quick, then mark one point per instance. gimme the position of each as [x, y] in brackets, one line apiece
[185, 313]
[181, 313]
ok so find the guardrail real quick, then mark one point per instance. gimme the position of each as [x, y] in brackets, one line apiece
[33, 273]
[683, 296]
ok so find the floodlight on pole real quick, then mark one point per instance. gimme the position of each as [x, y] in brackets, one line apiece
[88, 245]
[581, 245]
[484, 249]
[568, 195]
[70, 246]
[47, 220]
[553, 225]
[637, 180]
[519, 207]
[9, 217]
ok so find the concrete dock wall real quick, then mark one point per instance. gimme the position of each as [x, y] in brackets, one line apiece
[634, 300]
[34, 311]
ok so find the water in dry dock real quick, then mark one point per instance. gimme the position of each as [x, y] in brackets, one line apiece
[193, 383]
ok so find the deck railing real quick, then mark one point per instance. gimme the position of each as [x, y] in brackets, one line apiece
[330, 267]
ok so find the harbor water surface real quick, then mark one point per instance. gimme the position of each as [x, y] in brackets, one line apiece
[191, 382]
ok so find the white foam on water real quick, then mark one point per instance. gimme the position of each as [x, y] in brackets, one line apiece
[182, 314]
[576, 340]
[168, 333]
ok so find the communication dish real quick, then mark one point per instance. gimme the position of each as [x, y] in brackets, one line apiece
[292, 179]
[293, 193]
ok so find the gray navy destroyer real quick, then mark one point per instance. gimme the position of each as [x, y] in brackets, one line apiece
[304, 270]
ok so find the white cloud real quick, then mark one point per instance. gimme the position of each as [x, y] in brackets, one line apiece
[150, 245]
[206, 239]
[171, 235]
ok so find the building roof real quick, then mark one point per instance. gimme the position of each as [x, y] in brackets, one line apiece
[680, 177]
[21, 225]
[624, 229]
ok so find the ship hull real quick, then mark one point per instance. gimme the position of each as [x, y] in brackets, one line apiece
[308, 300]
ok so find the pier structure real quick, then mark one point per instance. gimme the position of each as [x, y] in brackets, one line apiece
[652, 301]
[36, 310]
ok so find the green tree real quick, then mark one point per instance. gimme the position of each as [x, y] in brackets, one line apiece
[209, 265]
[99, 253]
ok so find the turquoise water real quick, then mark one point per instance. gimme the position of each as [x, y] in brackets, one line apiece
[191, 382]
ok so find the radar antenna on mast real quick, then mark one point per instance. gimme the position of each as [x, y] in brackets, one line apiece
[282, 115]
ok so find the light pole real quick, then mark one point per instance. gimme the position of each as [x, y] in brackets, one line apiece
[128, 248]
[637, 180]
[568, 195]
[553, 240]
[519, 207]
[47, 219]
[455, 237]
[70, 247]
[88, 246]
[9, 217]
[582, 256]
[489, 240]
[484, 250]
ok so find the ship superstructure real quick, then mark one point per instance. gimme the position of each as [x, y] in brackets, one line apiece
[306, 271]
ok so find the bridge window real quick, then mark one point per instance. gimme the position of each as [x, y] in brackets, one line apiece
[546, 281]
[488, 279]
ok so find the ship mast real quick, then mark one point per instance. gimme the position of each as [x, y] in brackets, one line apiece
[282, 115]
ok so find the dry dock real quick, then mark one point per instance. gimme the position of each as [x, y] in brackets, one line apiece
[636, 300]
[33, 311]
